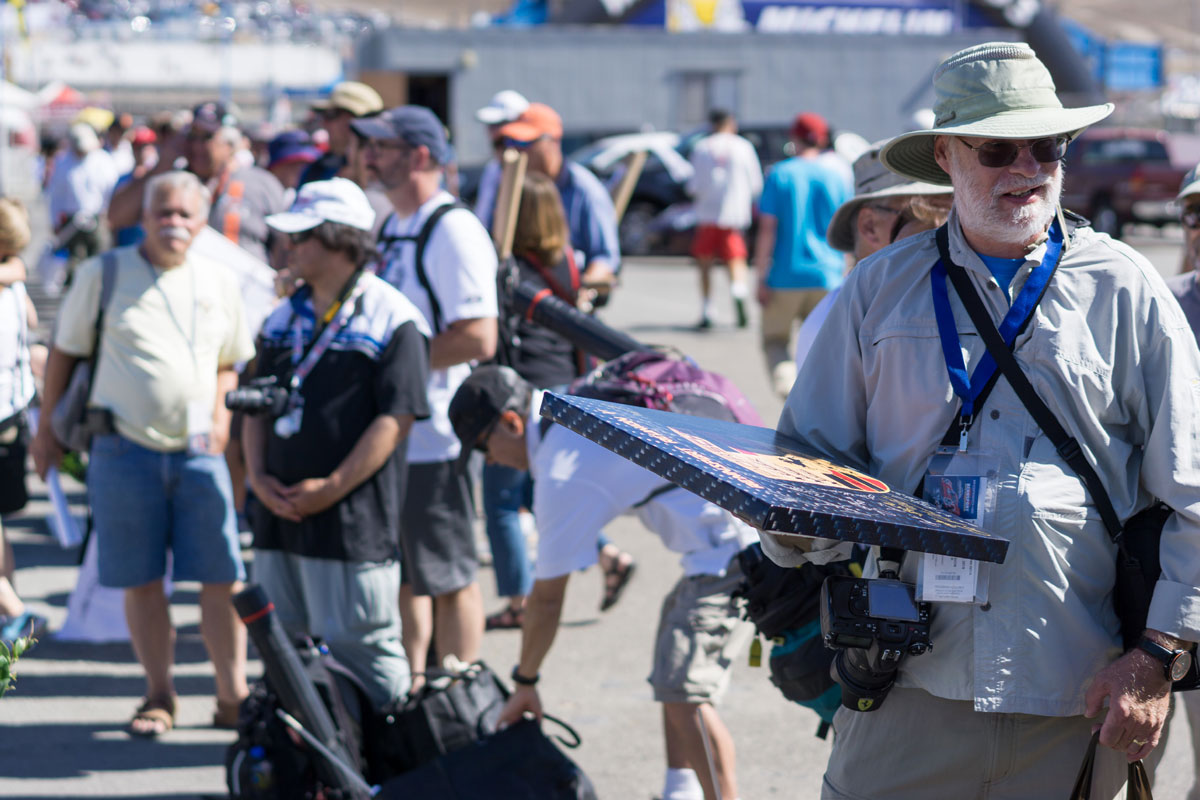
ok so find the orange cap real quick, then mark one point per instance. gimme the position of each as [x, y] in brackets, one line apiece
[535, 122]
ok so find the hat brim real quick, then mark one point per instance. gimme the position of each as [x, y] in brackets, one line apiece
[306, 155]
[521, 132]
[373, 128]
[840, 233]
[1190, 189]
[291, 222]
[467, 442]
[491, 115]
[911, 154]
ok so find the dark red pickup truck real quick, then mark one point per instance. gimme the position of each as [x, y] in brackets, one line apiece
[1117, 176]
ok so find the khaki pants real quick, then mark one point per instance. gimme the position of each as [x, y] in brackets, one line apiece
[918, 747]
[786, 309]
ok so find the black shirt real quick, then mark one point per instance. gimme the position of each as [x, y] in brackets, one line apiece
[541, 356]
[377, 364]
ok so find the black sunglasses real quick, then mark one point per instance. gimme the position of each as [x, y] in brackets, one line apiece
[1190, 218]
[1002, 153]
[300, 237]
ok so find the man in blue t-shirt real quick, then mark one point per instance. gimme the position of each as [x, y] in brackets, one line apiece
[796, 265]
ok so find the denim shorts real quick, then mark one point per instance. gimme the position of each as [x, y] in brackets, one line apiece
[145, 503]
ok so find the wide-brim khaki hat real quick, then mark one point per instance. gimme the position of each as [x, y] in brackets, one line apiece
[872, 181]
[997, 90]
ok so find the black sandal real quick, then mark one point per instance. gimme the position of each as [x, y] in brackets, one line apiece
[506, 619]
[616, 578]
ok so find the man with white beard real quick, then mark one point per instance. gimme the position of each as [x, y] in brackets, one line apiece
[1021, 659]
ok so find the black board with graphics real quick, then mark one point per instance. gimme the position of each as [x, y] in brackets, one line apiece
[771, 481]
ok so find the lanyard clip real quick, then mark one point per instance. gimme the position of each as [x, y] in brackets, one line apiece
[964, 427]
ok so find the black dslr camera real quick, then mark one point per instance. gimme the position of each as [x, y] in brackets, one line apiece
[261, 396]
[873, 624]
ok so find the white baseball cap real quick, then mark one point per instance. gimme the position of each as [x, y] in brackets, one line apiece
[505, 106]
[335, 200]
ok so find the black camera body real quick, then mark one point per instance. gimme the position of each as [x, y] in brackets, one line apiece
[263, 396]
[873, 623]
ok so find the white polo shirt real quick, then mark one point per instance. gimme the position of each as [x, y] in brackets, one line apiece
[579, 487]
[460, 262]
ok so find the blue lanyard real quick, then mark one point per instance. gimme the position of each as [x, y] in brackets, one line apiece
[968, 388]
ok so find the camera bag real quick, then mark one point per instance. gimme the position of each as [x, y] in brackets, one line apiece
[783, 604]
[69, 420]
[1137, 541]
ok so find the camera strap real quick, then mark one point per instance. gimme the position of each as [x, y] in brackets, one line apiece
[304, 363]
[971, 388]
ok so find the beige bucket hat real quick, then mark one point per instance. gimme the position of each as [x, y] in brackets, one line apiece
[998, 90]
[872, 181]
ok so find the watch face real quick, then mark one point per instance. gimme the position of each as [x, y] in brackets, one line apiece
[1180, 665]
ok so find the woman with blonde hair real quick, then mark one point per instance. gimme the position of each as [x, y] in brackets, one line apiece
[543, 256]
[17, 318]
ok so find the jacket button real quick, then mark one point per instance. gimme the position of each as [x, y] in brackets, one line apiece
[995, 414]
[986, 607]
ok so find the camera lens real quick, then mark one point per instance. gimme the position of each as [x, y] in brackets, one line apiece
[864, 686]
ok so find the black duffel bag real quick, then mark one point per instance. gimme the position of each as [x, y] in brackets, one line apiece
[517, 763]
[453, 709]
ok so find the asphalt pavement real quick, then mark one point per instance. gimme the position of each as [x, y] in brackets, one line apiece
[62, 726]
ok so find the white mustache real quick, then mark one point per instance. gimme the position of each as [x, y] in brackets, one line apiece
[176, 232]
[1020, 185]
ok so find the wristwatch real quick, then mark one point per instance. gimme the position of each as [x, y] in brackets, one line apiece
[1176, 663]
[522, 680]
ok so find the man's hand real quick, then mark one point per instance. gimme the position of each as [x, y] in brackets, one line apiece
[270, 492]
[46, 450]
[1139, 697]
[764, 294]
[524, 699]
[311, 496]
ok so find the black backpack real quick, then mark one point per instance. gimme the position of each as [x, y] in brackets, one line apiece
[265, 763]
[422, 239]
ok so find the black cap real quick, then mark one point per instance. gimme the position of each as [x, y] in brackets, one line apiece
[479, 401]
[415, 125]
[212, 116]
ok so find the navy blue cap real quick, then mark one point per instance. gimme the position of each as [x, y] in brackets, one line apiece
[294, 145]
[415, 125]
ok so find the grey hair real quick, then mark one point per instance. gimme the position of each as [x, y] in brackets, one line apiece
[181, 181]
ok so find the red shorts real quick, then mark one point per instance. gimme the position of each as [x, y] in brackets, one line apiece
[726, 244]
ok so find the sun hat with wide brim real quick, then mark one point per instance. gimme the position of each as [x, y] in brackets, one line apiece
[872, 181]
[997, 90]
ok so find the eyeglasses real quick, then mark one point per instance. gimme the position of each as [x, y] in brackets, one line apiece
[300, 237]
[1002, 153]
[1190, 218]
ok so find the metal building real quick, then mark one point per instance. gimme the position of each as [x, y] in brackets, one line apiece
[619, 79]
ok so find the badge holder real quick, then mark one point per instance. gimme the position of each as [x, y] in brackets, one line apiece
[199, 428]
[964, 484]
[288, 424]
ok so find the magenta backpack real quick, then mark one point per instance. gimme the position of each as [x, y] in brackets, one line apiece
[667, 381]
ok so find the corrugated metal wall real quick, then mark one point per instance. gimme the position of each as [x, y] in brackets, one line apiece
[624, 79]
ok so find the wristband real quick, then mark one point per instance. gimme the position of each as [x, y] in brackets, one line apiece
[521, 680]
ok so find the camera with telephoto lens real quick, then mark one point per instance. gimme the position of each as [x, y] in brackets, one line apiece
[873, 624]
[261, 396]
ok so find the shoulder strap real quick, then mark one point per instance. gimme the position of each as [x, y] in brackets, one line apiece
[667, 487]
[108, 282]
[422, 239]
[1068, 448]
